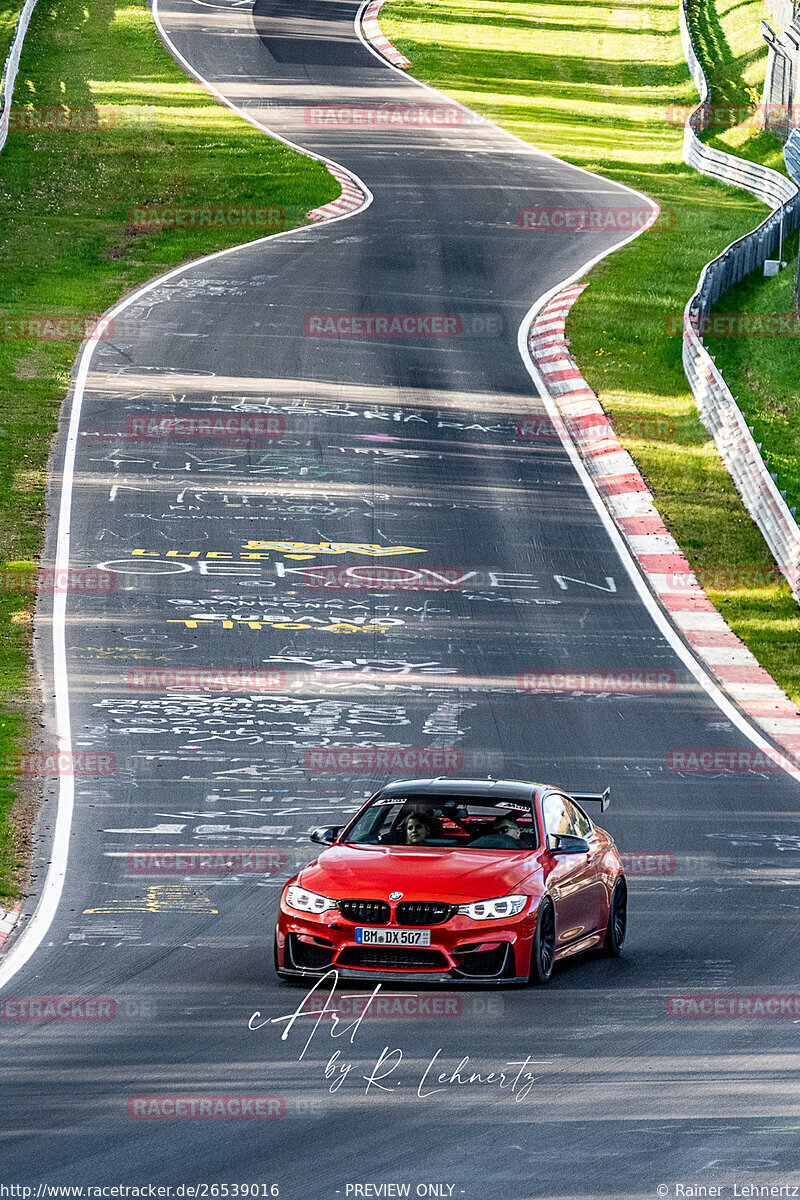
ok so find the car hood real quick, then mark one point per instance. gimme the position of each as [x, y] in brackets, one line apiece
[420, 873]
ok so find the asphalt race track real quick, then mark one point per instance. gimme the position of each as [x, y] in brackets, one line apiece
[406, 445]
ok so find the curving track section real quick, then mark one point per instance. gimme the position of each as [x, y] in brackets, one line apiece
[399, 452]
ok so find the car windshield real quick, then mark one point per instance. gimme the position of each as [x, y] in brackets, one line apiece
[463, 823]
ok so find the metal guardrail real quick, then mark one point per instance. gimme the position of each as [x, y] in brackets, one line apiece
[768, 185]
[11, 67]
[791, 155]
[785, 11]
[782, 72]
[718, 409]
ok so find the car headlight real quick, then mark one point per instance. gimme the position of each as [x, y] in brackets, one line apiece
[305, 901]
[493, 910]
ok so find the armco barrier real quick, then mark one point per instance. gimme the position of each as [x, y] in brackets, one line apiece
[784, 11]
[718, 409]
[12, 66]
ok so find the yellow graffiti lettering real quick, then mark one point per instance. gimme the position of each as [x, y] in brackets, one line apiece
[311, 549]
[335, 627]
[161, 898]
[263, 551]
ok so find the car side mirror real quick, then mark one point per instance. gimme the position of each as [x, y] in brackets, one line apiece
[325, 836]
[567, 843]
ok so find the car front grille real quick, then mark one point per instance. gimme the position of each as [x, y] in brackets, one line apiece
[392, 958]
[365, 912]
[423, 912]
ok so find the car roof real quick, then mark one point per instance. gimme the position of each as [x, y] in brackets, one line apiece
[497, 789]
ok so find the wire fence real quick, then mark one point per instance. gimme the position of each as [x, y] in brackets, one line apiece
[11, 67]
[785, 11]
[718, 409]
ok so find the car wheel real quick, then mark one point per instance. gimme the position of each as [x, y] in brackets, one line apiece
[543, 954]
[617, 920]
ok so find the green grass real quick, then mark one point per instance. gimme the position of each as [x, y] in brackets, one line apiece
[727, 41]
[764, 372]
[8, 19]
[594, 84]
[67, 248]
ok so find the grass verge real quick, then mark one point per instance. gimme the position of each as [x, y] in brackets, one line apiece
[68, 248]
[8, 19]
[763, 371]
[598, 84]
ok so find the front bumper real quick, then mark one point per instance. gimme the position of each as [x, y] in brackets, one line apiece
[460, 950]
[407, 977]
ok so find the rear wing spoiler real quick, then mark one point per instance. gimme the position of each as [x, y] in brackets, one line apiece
[601, 798]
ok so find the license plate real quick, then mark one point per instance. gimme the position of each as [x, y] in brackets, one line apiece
[393, 937]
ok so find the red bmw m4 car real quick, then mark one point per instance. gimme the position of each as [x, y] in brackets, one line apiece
[489, 881]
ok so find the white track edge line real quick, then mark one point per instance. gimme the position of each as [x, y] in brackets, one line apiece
[531, 147]
[36, 929]
[658, 615]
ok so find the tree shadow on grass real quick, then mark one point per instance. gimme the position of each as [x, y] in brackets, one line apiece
[724, 70]
[527, 72]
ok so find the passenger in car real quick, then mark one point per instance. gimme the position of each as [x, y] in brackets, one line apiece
[417, 828]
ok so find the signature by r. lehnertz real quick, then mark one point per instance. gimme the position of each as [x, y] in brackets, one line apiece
[516, 1076]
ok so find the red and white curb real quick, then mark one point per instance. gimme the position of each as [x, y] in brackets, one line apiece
[7, 922]
[630, 503]
[376, 37]
[351, 199]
